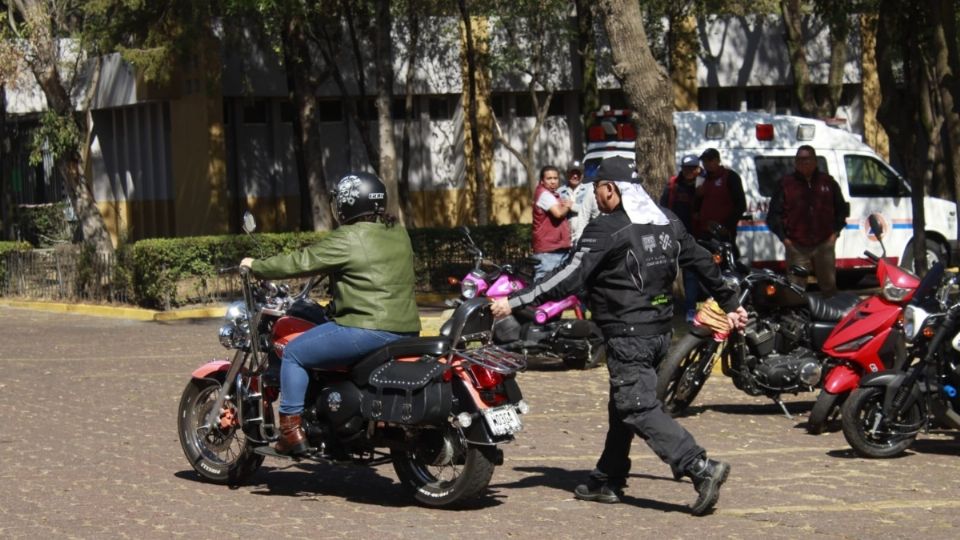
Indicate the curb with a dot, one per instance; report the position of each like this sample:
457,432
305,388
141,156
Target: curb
431,323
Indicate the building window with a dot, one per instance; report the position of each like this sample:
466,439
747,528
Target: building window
440,108
499,105
287,112
329,110
255,111
754,98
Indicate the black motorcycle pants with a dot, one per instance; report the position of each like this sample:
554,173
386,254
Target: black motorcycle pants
634,409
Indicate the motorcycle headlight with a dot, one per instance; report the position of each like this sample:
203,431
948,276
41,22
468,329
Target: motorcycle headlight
913,319
893,293
237,312
468,289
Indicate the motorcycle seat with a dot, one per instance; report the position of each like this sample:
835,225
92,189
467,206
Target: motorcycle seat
414,346
831,309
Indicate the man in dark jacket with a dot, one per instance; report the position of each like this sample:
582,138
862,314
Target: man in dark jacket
807,213
627,260
679,197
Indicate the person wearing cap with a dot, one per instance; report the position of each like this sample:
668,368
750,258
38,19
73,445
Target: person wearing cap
551,230
724,189
626,261
807,213
679,197
584,206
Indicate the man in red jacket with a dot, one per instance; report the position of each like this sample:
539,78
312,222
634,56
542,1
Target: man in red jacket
551,230
807,213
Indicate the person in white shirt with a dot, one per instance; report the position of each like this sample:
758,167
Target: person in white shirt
584,207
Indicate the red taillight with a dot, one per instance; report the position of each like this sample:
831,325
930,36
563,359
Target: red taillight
764,132
626,132
453,281
486,379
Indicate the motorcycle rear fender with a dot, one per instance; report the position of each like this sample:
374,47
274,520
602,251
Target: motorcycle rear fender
841,379
211,367
478,432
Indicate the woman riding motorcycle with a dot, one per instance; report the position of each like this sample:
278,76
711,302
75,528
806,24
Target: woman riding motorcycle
370,261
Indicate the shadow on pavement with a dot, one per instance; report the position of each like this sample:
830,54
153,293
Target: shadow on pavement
565,480
352,483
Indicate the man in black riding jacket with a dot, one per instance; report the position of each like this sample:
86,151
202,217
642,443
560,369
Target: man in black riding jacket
626,260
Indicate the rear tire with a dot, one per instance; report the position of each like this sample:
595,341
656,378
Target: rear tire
681,376
935,252
224,456
861,413
824,410
445,470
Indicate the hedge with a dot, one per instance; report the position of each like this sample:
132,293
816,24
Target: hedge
162,273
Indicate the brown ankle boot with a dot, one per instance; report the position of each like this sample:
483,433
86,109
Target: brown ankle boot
293,440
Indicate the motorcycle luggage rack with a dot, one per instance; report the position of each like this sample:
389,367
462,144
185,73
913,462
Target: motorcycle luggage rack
495,359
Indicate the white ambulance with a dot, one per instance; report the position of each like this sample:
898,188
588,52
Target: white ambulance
761,148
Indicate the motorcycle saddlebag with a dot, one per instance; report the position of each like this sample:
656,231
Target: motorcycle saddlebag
407,393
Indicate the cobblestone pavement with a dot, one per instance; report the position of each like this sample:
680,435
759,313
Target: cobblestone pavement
89,449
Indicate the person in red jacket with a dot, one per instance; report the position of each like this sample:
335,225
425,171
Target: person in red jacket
720,198
807,213
551,230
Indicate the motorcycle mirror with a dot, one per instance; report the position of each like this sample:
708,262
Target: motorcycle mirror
249,223
876,229
719,231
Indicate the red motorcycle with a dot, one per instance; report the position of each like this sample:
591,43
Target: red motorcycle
440,411
868,339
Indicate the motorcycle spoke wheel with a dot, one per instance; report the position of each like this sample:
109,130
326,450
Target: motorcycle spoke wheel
683,373
869,433
443,469
219,452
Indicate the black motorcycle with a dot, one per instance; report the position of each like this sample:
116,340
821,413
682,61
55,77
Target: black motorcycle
777,351
885,414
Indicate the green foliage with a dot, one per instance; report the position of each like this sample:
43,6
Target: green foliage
158,265
57,134
5,248
44,225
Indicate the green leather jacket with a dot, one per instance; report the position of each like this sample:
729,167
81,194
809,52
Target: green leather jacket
371,268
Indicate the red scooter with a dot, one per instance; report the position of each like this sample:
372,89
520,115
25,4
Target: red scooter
868,339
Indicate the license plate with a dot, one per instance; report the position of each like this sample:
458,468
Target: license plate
503,420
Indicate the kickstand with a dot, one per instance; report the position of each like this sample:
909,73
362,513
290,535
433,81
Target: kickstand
783,406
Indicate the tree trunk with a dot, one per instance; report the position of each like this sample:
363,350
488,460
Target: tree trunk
481,195
948,62
383,53
315,213
793,21
6,201
44,65
647,88
587,59
403,183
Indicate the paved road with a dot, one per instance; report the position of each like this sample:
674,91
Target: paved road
89,450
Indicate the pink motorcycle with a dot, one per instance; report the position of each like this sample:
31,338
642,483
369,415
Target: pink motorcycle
538,332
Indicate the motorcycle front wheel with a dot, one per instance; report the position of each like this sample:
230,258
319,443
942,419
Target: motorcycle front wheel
868,432
219,453
684,371
443,470
825,409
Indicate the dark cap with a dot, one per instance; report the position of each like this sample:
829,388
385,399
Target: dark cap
575,166
616,169
690,160
710,153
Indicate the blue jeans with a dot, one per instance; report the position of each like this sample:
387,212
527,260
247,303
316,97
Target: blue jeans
691,290
328,346
548,262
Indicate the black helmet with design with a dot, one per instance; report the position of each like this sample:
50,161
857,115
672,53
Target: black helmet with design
358,194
